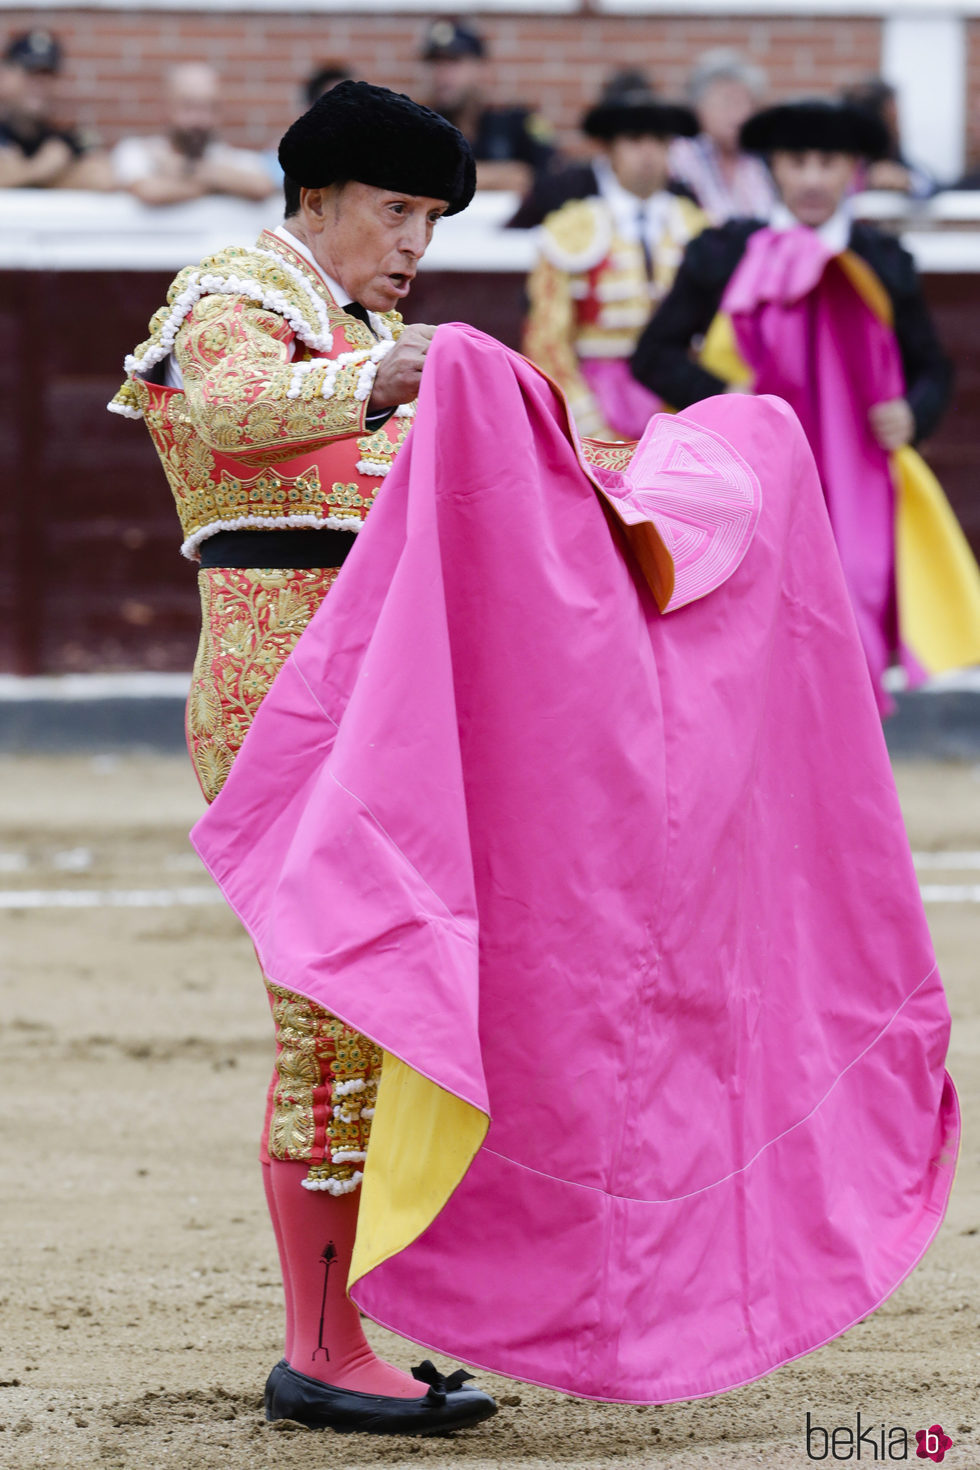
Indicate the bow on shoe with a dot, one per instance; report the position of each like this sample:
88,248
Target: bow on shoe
439,1385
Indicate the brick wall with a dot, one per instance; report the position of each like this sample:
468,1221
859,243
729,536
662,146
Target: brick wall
973,93
115,59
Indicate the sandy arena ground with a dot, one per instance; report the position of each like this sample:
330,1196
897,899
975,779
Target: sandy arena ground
139,1298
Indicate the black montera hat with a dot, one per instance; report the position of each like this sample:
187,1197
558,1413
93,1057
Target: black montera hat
638,112
447,39
34,51
365,133
820,124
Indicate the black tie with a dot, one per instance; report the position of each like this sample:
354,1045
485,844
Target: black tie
641,225
354,308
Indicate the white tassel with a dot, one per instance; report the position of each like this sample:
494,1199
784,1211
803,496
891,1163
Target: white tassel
334,1186
344,1089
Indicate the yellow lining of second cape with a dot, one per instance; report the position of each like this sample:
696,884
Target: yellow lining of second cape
937,578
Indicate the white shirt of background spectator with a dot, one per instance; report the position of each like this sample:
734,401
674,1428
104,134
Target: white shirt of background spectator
139,158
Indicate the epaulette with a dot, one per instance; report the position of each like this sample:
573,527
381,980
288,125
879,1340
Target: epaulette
692,216
259,275
577,236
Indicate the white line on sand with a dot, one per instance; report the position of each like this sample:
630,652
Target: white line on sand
947,862
166,898
106,898
950,892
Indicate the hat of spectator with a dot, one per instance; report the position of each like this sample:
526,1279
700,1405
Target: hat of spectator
638,113
817,124
625,80
445,40
357,131
34,51
325,77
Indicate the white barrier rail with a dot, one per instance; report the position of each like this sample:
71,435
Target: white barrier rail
62,229
74,230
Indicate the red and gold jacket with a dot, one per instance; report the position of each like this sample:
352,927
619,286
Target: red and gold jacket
269,428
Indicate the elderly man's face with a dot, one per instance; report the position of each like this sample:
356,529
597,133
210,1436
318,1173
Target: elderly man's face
813,184
722,109
369,240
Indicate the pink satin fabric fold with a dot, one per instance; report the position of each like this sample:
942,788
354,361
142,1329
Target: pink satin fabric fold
636,885
810,338
625,404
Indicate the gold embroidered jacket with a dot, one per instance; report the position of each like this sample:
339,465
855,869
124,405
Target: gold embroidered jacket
269,428
589,295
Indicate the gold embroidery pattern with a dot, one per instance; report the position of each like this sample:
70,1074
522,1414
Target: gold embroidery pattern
243,397
348,500
268,494
250,622
608,456
326,1077
379,446
326,1074
240,397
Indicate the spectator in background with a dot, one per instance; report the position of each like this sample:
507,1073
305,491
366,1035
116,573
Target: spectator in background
580,180
606,260
893,171
724,91
35,151
324,79
511,144
828,313
190,160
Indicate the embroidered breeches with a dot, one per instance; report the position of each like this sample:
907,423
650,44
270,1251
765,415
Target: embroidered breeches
322,1094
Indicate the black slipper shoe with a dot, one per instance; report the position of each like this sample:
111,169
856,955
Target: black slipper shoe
447,1405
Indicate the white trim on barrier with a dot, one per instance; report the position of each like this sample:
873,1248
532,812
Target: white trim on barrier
804,9
809,9
298,7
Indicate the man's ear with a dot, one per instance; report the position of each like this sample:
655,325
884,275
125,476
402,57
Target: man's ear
313,207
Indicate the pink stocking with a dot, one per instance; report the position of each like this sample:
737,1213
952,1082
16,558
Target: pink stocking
324,1339
287,1285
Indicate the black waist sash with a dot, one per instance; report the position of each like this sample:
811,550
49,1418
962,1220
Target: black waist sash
290,547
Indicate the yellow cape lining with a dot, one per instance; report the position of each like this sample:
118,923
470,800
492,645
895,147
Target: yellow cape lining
938,582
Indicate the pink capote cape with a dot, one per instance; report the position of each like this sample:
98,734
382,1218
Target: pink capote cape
635,885
810,337
624,402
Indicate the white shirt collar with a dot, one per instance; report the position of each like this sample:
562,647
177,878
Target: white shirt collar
340,296
626,207
834,232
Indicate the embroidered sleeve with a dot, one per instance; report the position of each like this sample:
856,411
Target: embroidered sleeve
549,341
244,395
